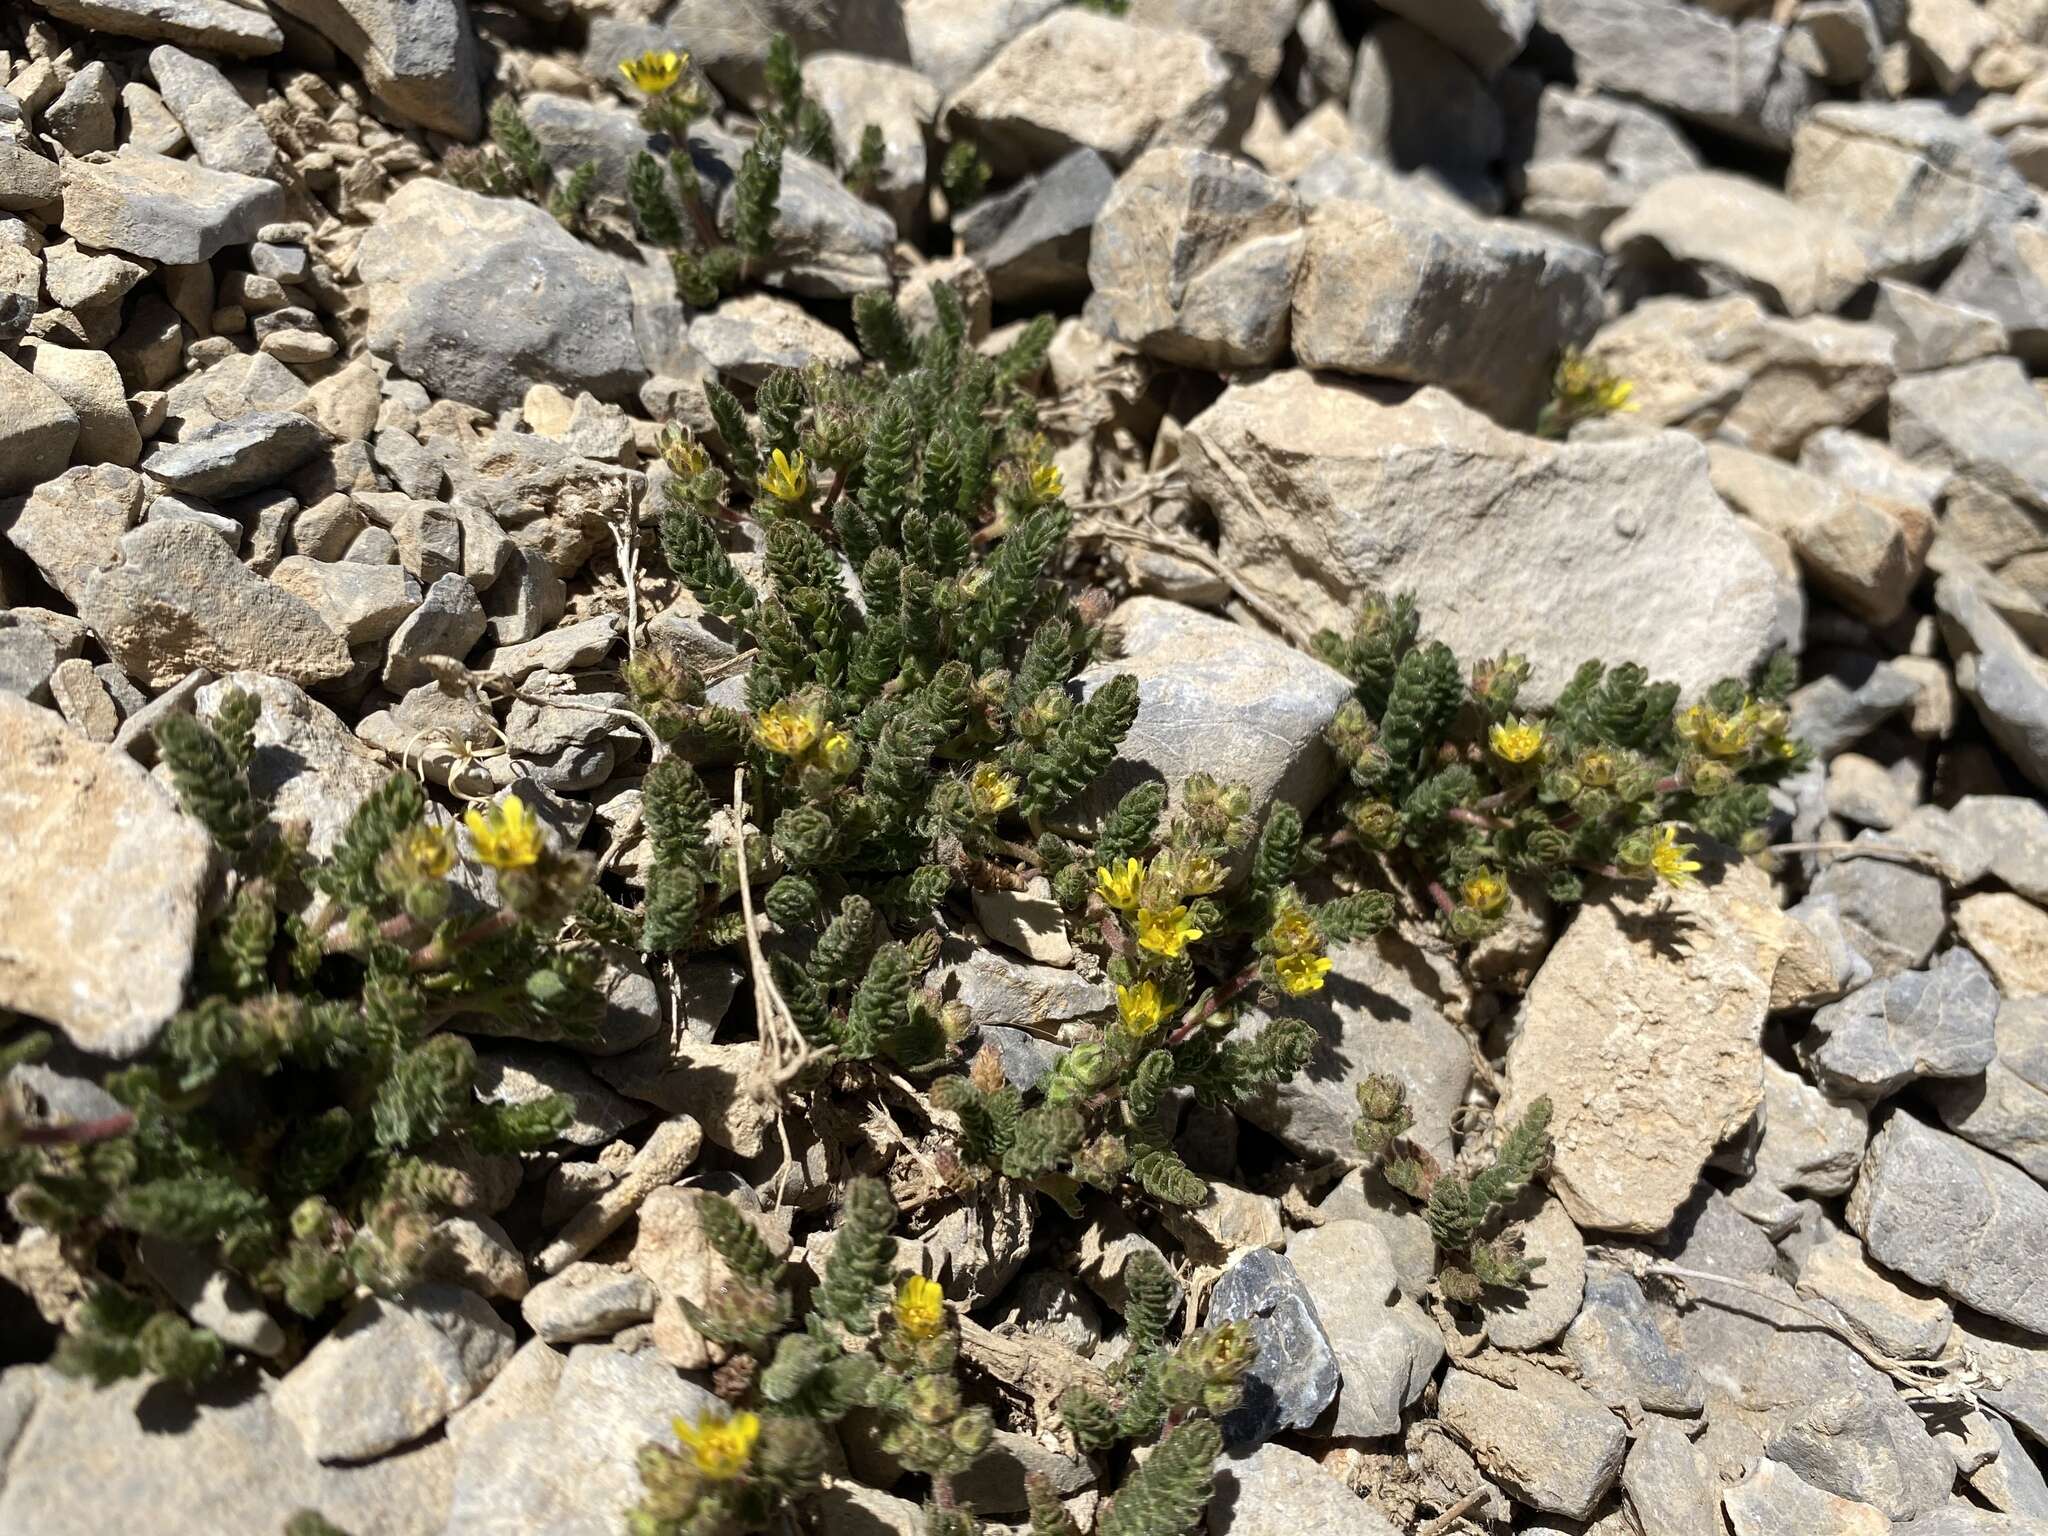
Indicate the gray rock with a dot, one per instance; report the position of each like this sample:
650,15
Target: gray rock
1740,236
1415,104
1840,708
1297,1372
225,131
1905,1324
856,93
1542,1311
22,275
1487,33
1670,1487
2010,835
2007,1112
1309,476
1363,1195
1215,698
212,1297
1193,260
1272,1491
103,878
571,648
1944,1213
392,1370
1999,674
38,429
1812,1141
1078,80
2005,273
1386,1346
828,243
89,382
1377,1012
233,1463
1891,911
2012,1481
448,622
1935,333
1931,1023
948,43
1686,60
1865,464
1379,288
307,764
475,1253
419,57
1007,993
364,603
554,1445
521,1074
1623,1354
1591,157
164,210
177,599
1033,239
252,451
588,1301
1548,1442
994,1484
221,26
1772,1500
27,179
748,337
437,264
82,116
1916,181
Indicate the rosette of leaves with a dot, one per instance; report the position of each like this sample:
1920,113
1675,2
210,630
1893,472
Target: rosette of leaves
1186,949
1459,1208
737,1470
294,1123
1473,792
906,715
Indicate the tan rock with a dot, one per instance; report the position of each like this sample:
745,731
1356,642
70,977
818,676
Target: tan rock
1643,1030
1745,236
2010,935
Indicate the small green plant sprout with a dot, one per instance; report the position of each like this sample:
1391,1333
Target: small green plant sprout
964,175
865,173
1457,1208
1474,794
1582,389
1184,950
513,164
863,1344
800,120
294,1122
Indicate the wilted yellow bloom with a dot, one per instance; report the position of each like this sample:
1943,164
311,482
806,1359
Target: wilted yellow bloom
1046,483
786,479
1668,857
1728,735
1302,974
1196,874
920,1307
1142,1008
681,452
992,790
1516,741
507,836
1121,889
1485,892
1596,767
430,851
1294,932
721,1446
654,71
1165,931
788,729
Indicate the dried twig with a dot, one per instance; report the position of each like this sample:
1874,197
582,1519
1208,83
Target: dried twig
1196,553
1897,852
1455,1513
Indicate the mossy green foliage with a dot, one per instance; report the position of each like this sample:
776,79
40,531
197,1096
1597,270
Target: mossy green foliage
1459,1208
1476,797
513,164
291,1124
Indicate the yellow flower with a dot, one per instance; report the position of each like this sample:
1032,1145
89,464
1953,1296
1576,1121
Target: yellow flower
1485,892
721,1446
1294,933
1165,931
1142,1008
992,790
786,479
1046,484
430,851
1120,890
1302,974
1727,735
1516,741
654,71
920,1307
682,452
1196,874
1616,395
836,753
507,836
788,729
1668,857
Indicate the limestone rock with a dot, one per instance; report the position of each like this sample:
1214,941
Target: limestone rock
2005,273
1193,260
587,1301
855,93
828,243
225,131
1546,1306
1082,80
220,26
1311,477
251,451
1908,1325
38,429
1272,1491
1622,1352
307,764
1415,104
1812,1142
1670,1487
440,267
1642,1029
748,337
1297,1372
1033,239
1547,1441
1387,1348
164,210
1592,157
2007,1112
1999,674
1744,237
1956,1218
1891,912
1488,33
104,880
1773,1501
2010,933
177,599
88,382
419,56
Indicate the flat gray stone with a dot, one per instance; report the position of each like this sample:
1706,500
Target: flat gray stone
521,1074
1812,1141
225,131
1297,1372
229,458
164,210
1033,240
71,525
1907,1324
220,26
1931,1023
38,429
2007,1111
588,1301
419,57
307,764
1386,1346
449,621
1548,1442
1622,1353
1891,911
1670,1487
1999,673
1270,1490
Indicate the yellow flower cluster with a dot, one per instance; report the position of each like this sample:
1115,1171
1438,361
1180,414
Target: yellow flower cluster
720,1445
1298,958
787,480
430,851
655,71
1516,741
507,835
1166,931
1142,1008
793,726
1757,724
991,790
920,1308
1589,389
1485,891
1046,484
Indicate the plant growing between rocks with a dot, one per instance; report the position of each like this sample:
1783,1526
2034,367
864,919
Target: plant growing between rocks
514,165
